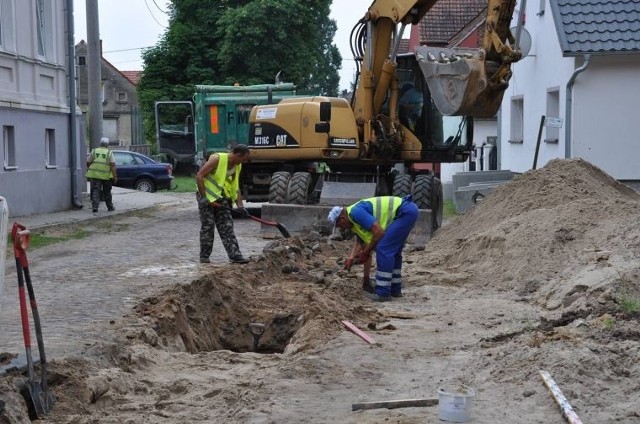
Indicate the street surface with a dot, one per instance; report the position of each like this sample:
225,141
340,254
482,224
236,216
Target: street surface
81,284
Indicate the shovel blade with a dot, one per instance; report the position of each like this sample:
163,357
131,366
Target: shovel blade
39,402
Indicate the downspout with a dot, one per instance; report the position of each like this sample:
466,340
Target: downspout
73,136
569,106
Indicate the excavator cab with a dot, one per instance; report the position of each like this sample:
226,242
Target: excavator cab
443,138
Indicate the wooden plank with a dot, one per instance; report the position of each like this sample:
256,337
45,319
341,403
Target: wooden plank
398,315
567,410
358,332
393,404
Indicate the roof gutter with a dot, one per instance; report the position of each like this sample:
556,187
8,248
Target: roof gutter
73,135
569,106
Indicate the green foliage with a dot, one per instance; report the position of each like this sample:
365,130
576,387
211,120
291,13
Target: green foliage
248,42
184,184
630,305
40,240
449,209
608,322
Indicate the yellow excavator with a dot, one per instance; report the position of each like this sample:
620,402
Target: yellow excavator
407,109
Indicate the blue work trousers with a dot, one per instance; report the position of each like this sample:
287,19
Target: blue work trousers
389,250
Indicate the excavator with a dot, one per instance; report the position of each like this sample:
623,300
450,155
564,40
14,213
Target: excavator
407,109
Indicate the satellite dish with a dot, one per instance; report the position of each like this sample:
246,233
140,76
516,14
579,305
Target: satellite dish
525,40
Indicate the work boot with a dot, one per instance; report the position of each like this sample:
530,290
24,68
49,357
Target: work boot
377,298
205,260
95,210
396,290
111,208
238,259
367,286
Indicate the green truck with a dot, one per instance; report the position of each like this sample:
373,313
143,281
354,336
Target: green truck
187,132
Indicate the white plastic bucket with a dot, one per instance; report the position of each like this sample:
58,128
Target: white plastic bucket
454,404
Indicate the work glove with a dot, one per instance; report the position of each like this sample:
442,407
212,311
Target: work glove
243,212
348,264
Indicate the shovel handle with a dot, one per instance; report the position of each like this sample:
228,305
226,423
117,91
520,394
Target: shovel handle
20,237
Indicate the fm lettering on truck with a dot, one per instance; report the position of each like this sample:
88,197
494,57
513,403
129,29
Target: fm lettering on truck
266,113
342,142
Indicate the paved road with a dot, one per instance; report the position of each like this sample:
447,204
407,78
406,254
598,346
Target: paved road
83,284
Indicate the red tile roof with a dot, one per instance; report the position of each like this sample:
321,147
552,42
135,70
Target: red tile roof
133,76
447,18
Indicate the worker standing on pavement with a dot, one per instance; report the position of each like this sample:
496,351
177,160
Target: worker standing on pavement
383,224
218,184
101,173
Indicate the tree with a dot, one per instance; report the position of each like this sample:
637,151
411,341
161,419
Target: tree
241,41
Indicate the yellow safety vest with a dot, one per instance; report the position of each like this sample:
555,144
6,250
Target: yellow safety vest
384,211
100,168
218,185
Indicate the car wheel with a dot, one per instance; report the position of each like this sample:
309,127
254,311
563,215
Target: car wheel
145,184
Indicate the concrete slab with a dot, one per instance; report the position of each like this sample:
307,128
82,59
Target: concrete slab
462,179
466,197
343,193
303,218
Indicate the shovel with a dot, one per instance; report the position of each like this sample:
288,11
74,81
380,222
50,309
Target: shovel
283,230
38,392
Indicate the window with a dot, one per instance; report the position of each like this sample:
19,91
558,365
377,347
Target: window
44,29
122,97
50,147
553,111
7,36
82,60
123,158
517,121
9,142
541,8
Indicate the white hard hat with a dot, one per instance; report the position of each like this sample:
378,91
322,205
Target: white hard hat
104,141
333,216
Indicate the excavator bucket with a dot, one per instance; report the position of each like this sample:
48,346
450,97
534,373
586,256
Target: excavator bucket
459,82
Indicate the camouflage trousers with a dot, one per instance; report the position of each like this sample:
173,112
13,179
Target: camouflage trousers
220,218
101,190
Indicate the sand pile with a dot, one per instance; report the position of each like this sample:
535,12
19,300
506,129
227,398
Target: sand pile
557,234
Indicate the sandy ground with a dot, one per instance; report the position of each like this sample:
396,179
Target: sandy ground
542,275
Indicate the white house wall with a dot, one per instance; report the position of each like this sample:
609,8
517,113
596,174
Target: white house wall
542,70
606,130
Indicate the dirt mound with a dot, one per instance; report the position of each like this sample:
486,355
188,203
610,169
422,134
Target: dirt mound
295,296
562,234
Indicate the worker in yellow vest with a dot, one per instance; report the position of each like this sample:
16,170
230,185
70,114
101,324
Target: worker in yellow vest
218,184
101,173
383,225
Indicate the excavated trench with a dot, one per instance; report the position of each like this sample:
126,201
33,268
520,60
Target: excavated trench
210,315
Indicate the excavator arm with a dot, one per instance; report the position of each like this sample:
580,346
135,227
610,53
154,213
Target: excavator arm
461,81
472,81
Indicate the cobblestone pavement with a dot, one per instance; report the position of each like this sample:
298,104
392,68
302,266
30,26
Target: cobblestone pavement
83,284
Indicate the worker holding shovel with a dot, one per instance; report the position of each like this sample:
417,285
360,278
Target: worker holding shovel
218,184
383,224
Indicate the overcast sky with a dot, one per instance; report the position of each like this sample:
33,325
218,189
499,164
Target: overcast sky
128,25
